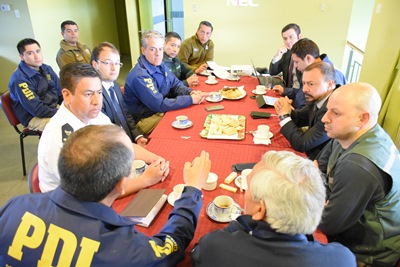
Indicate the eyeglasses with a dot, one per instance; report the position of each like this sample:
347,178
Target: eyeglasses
109,63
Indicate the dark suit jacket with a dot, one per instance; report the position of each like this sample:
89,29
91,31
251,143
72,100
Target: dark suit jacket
315,138
108,109
283,66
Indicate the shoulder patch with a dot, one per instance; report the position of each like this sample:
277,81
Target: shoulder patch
66,130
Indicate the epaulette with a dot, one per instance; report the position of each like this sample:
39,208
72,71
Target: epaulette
66,130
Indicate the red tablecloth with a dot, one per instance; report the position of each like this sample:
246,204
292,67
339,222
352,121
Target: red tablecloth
167,142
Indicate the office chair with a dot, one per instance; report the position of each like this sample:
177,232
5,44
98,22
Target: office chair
33,179
6,105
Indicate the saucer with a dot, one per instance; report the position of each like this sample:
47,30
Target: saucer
209,82
270,135
233,79
171,198
209,99
236,212
254,92
176,125
238,180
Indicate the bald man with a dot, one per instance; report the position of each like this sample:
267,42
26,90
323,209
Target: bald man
362,166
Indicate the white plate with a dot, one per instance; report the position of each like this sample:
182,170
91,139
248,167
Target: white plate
254,92
211,83
238,180
214,100
233,79
236,211
270,135
171,198
241,88
205,73
176,125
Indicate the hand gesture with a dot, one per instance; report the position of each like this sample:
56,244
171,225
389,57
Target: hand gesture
196,173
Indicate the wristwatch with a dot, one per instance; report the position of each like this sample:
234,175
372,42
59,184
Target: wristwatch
284,116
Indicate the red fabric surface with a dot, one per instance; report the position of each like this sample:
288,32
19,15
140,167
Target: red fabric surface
167,142
197,114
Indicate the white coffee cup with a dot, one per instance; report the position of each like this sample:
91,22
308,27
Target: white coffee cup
223,206
211,78
211,182
182,119
139,166
260,89
263,130
215,96
177,190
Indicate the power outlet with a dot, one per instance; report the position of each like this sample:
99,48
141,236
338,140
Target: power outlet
5,8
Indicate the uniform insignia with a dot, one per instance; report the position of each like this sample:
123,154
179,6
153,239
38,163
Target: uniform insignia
48,77
87,51
195,50
206,47
66,130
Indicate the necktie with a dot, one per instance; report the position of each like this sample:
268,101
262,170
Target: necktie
118,110
290,78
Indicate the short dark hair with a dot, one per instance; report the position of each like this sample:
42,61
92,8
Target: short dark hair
205,23
170,35
67,22
304,47
24,42
72,73
327,70
97,50
293,26
92,161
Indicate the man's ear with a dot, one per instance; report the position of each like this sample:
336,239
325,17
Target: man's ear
262,211
121,185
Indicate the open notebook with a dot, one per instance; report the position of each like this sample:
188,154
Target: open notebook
144,207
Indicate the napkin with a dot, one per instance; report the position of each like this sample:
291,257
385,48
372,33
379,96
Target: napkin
258,141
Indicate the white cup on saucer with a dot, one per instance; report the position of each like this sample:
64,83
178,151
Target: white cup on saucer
211,79
139,166
223,206
215,96
182,120
263,131
260,89
177,190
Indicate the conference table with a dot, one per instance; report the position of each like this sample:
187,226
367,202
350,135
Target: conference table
182,145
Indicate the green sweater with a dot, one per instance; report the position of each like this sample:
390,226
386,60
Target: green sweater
194,54
375,238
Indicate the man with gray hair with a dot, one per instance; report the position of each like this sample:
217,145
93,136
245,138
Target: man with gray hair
283,203
152,89
74,225
362,167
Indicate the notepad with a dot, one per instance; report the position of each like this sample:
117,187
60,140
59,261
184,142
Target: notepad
144,207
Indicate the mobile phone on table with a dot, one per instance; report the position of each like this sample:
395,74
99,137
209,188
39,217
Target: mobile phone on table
260,115
213,108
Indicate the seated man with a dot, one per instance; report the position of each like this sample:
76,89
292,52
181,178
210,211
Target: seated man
174,64
304,53
82,92
318,84
74,225
282,63
362,168
106,59
198,49
71,50
282,205
34,87
151,89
